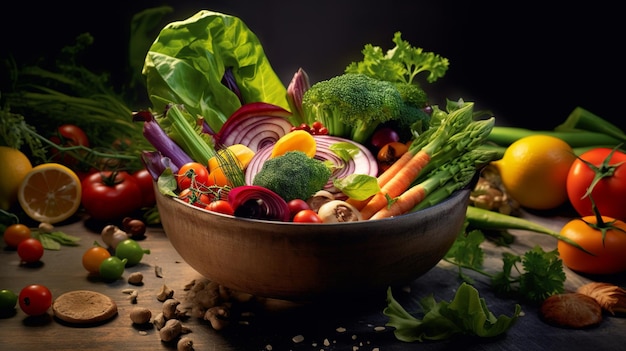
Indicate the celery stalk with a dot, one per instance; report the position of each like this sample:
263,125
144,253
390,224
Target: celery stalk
505,136
191,141
581,119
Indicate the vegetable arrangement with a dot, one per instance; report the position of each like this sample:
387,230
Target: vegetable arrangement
319,145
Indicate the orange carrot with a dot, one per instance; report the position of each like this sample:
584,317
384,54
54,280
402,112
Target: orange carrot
403,203
399,183
384,177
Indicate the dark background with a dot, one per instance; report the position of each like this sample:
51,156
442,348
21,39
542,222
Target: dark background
530,65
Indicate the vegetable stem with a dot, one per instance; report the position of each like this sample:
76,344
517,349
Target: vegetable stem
505,136
486,219
585,120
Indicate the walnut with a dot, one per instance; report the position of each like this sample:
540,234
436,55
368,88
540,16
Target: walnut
611,297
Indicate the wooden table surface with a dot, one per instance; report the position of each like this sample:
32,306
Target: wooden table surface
345,324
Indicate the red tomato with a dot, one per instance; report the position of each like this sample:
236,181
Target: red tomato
30,250
144,180
35,299
192,173
609,193
220,206
608,252
297,205
68,135
110,195
195,197
307,216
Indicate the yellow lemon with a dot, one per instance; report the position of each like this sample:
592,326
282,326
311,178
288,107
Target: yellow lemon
15,167
50,193
297,140
534,171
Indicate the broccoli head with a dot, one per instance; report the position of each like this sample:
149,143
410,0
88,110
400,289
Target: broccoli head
293,175
352,105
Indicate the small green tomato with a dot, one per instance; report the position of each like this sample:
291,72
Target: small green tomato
8,300
112,268
130,250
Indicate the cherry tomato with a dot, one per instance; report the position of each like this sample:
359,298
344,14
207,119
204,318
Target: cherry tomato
608,253
192,174
145,182
195,197
93,257
110,195
68,135
220,206
30,250
35,299
112,268
8,300
384,136
297,205
307,216
131,251
14,234
609,193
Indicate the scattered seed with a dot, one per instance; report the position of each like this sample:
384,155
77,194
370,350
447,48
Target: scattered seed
341,330
298,339
135,278
158,271
379,329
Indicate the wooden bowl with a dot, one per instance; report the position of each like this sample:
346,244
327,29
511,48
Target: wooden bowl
306,262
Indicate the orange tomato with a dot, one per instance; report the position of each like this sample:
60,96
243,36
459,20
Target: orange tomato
608,254
93,257
15,234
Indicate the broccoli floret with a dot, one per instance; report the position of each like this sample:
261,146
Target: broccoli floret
413,119
293,175
352,105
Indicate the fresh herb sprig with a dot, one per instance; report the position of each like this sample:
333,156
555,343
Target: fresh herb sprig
531,276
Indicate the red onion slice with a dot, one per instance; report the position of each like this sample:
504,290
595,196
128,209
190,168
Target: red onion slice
255,125
257,202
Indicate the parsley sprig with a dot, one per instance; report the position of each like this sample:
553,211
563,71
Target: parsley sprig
531,276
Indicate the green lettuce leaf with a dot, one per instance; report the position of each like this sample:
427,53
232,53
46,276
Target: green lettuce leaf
186,64
466,314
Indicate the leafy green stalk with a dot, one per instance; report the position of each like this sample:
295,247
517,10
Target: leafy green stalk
188,135
581,119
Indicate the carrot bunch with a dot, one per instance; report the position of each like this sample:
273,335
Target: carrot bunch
440,161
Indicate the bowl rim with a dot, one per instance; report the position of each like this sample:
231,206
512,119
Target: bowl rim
464,192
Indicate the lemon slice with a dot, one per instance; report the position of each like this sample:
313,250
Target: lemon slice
50,193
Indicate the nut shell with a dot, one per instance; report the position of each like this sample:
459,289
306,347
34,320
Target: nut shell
571,310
